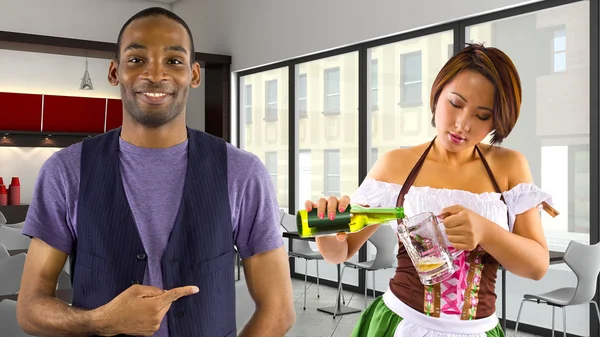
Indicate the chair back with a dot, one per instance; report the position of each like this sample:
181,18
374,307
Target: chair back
12,238
3,252
11,270
584,260
384,239
288,222
8,320
2,219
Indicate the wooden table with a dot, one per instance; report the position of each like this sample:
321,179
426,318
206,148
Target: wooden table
338,309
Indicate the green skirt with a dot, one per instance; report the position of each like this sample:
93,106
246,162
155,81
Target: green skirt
379,321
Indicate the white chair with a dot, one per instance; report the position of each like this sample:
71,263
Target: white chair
12,238
384,239
584,260
301,249
18,225
11,270
8,320
3,252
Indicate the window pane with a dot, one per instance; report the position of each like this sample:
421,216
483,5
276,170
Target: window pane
411,66
332,83
555,147
332,103
560,40
269,139
395,125
302,86
411,92
374,83
560,61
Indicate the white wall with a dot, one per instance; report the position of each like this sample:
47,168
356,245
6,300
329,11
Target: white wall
97,20
265,31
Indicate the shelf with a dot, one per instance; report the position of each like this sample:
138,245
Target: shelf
14,213
41,139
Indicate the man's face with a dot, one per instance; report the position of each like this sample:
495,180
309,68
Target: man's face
154,70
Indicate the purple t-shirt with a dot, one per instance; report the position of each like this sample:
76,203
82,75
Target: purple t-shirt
153,180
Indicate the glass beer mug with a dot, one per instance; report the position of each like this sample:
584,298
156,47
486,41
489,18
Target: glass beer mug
428,247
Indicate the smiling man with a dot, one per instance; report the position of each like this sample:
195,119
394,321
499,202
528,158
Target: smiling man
150,213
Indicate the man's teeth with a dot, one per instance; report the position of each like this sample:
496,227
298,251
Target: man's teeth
152,94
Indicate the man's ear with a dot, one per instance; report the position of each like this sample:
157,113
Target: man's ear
196,78
112,73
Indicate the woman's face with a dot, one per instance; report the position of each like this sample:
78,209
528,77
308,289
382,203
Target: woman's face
464,111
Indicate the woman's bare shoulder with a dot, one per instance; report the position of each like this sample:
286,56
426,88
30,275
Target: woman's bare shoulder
511,164
394,166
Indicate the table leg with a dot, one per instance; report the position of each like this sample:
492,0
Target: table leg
504,300
339,309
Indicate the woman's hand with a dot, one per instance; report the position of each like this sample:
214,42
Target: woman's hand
465,229
329,205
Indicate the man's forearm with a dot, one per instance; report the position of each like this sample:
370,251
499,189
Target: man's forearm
47,316
268,324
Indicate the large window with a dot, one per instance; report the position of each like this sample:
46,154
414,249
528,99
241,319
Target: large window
267,138
327,140
403,125
555,83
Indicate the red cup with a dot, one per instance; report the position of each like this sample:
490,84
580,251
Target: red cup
3,195
14,192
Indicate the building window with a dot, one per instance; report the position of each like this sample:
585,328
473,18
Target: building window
450,50
271,164
559,45
411,79
248,103
271,101
302,96
374,156
332,173
374,85
332,90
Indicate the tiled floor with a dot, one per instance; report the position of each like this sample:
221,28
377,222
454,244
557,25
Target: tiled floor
313,323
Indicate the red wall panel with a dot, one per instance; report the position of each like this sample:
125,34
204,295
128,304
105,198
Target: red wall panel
73,114
114,114
20,112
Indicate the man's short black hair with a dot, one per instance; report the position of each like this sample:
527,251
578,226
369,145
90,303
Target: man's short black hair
157,11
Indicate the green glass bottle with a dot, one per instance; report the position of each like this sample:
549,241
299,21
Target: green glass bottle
354,219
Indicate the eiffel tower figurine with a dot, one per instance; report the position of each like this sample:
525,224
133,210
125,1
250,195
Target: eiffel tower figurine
86,81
